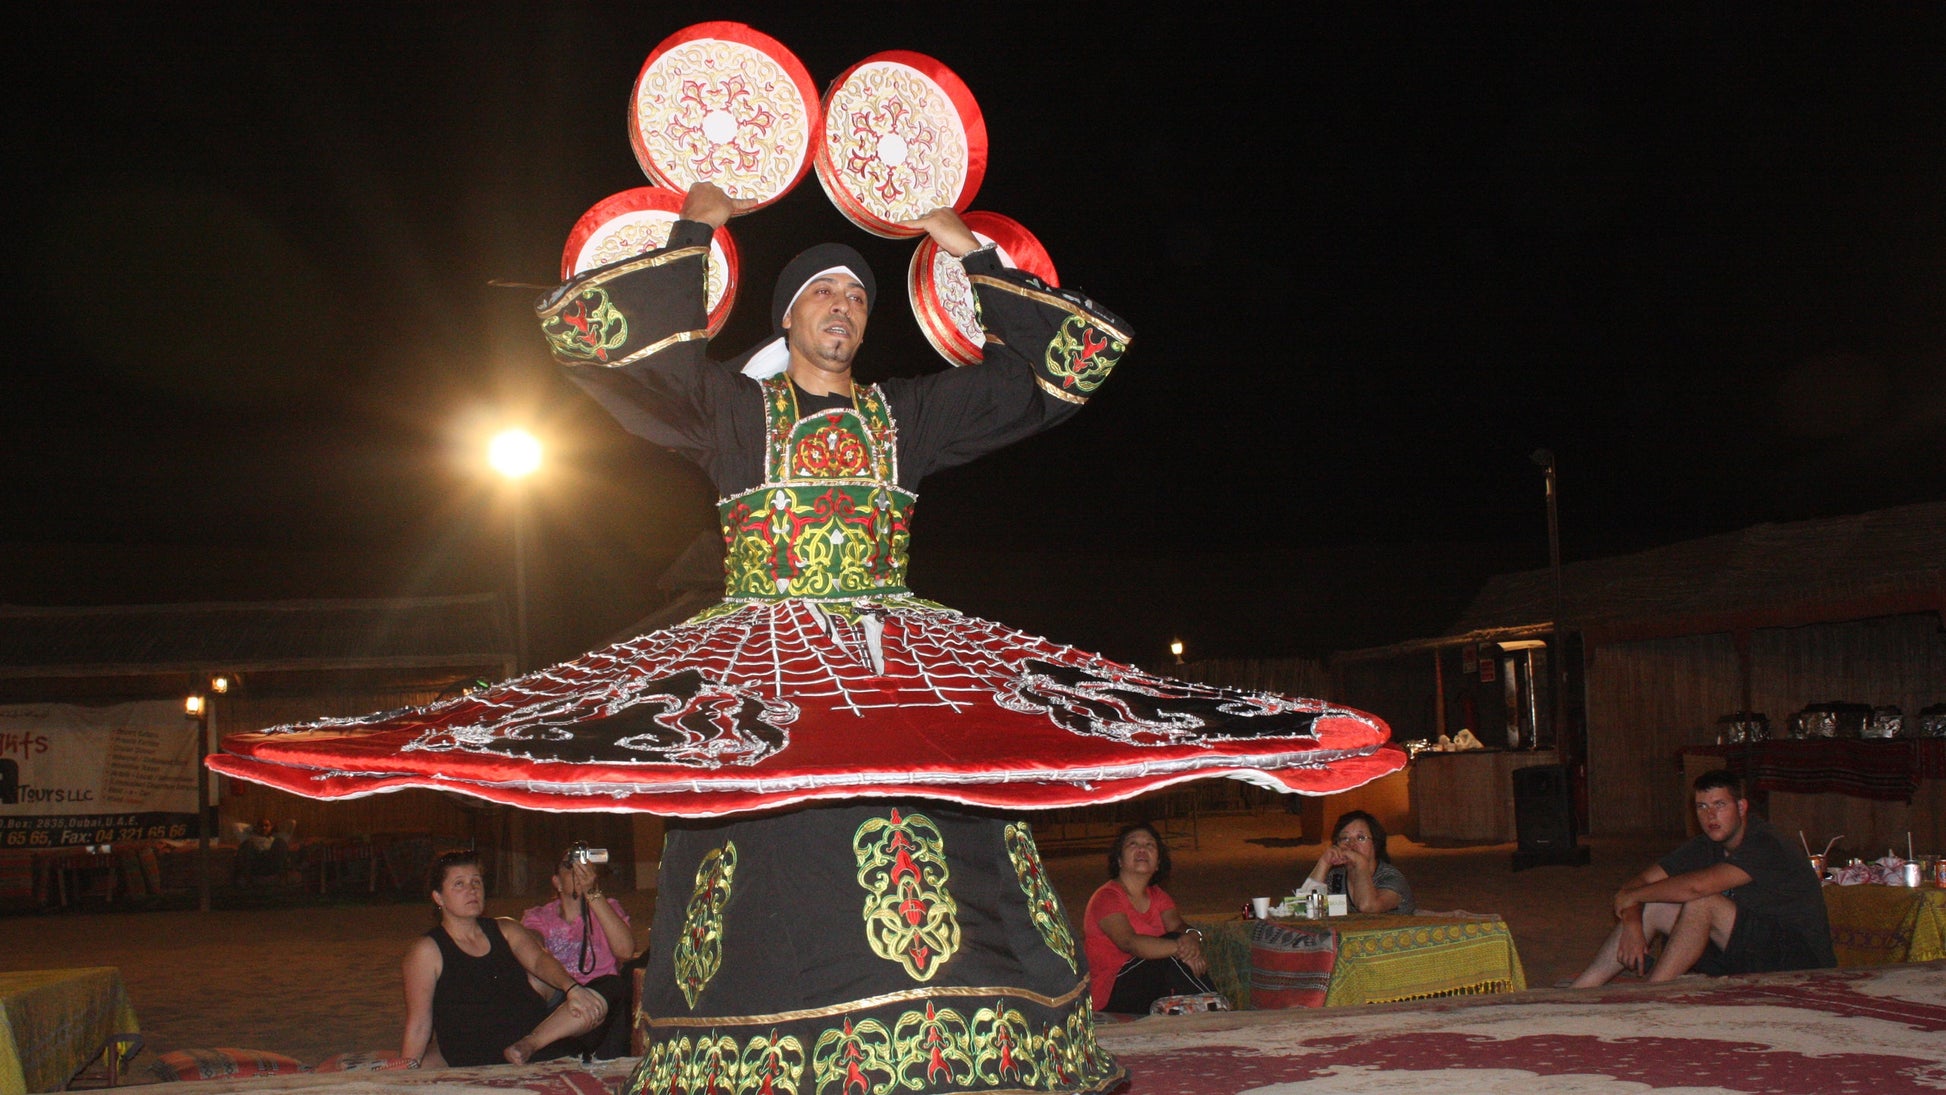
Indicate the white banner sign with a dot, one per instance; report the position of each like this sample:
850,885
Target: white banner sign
88,775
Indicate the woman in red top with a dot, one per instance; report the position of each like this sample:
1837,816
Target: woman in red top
1139,949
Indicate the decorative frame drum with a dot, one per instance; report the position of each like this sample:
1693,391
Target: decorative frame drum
635,222
942,298
723,103
901,137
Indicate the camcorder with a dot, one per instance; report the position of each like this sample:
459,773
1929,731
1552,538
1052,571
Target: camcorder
579,852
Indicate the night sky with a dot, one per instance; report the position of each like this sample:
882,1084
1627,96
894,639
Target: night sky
1374,256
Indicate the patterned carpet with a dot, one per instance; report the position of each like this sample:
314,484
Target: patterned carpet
1872,1032
1879,1031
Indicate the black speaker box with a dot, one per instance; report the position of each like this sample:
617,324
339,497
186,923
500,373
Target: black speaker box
1544,818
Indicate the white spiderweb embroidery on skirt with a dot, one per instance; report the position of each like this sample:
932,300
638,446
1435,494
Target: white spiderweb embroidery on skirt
724,690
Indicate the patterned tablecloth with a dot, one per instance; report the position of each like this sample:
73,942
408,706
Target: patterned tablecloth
1360,959
1882,925
53,1023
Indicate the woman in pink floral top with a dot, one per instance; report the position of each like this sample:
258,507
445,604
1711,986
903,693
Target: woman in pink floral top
588,932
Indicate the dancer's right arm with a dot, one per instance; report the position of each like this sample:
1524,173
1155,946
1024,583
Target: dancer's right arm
633,334
706,204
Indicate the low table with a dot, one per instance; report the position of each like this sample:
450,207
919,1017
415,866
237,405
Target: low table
1360,959
54,1023
1884,925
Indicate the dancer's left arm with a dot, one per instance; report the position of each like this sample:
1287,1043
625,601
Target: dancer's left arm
1047,350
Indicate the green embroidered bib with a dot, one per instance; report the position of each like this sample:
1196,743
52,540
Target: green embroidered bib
829,520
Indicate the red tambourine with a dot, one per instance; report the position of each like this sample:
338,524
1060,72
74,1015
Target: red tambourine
638,221
942,298
722,103
901,137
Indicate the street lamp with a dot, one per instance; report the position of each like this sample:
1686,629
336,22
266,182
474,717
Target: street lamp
516,454
1175,647
1544,459
195,707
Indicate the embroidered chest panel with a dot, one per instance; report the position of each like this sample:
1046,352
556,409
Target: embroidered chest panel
830,519
839,443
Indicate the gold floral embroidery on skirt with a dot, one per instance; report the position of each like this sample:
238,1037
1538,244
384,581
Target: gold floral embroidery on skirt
699,953
934,1048
715,1062
1043,904
910,917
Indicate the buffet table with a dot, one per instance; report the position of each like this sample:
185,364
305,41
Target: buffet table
1884,925
54,1023
1878,768
1360,959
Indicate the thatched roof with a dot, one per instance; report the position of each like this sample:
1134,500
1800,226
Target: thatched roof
1882,563
456,632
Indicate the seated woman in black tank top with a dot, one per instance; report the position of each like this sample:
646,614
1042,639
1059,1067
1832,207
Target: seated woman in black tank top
473,984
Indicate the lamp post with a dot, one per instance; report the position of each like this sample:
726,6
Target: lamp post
1175,648
516,454
195,707
1544,459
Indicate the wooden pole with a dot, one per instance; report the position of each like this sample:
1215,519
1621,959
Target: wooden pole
1438,695
202,805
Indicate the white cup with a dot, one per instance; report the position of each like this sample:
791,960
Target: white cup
1337,905
1260,907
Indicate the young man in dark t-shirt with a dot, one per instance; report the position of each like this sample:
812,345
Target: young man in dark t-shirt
1736,899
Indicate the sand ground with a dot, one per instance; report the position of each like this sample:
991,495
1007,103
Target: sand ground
310,982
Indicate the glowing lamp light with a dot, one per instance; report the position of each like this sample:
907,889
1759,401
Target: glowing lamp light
219,685
193,706
1175,648
515,454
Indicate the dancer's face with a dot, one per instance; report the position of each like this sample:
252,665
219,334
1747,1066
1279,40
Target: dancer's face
826,324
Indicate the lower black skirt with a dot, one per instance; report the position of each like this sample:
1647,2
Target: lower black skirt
910,947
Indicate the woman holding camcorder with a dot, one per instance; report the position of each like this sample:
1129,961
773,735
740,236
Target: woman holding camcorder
589,933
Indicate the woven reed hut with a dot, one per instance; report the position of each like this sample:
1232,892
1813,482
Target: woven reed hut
1769,619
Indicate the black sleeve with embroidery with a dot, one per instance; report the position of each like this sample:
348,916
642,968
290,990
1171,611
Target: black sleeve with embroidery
1047,350
632,335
